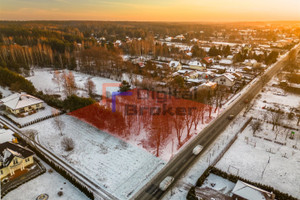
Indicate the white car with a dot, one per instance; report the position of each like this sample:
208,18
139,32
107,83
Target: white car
197,149
166,183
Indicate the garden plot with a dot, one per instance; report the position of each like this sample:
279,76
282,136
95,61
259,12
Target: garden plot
265,162
49,183
113,164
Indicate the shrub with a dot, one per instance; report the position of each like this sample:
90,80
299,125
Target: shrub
60,193
191,194
74,102
67,144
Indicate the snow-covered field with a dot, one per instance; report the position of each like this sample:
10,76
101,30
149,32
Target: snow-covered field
113,164
49,183
43,81
5,92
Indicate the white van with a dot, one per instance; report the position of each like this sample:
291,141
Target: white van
197,149
166,183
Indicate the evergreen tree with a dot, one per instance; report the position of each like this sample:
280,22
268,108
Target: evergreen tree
124,87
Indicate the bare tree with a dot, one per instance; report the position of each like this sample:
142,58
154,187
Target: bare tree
69,84
276,118
298,115
178,121
90,87
265,117
188,119
31,133
58,123
256,126
67,143
57,79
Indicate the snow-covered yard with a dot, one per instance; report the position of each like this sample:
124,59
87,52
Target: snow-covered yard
49,183
264,162
43,80
6,135
5,92
113,164
218,183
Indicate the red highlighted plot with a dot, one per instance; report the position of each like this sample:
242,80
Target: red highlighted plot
155,121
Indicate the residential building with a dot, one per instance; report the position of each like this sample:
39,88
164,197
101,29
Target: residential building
196,65
175,65
225,79
13,157
21,103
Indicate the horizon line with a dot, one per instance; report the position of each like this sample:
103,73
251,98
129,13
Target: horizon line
163,21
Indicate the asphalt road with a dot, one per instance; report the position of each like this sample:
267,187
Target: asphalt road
183,160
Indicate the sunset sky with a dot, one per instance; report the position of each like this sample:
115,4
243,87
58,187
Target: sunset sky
151,10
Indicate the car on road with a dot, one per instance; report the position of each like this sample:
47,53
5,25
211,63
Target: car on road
230,117
166,183
197,149
246,101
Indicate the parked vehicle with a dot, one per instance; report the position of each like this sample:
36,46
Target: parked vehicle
230,117
166,183
197,149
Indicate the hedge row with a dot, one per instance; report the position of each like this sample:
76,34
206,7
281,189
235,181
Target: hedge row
31,122
278,195
40,119
60,171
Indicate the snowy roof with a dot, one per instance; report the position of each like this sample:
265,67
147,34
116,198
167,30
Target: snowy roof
209,84
17,100
194,80
229,76
251,61
183,71
230,57
197,63
250,192
226,62
174,64
218,67
9,150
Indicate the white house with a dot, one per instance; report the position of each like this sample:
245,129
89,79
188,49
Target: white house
175,65
21,102
225,79
197,65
